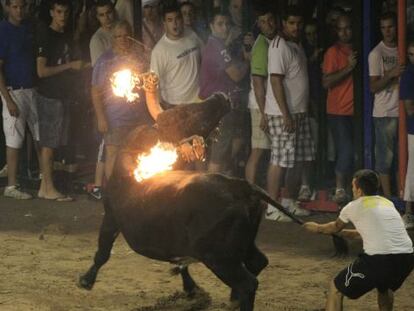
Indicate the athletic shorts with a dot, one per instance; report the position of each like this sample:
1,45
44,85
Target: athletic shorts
14,128
367,272
290,148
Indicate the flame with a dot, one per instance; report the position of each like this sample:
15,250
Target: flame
160,158
124,83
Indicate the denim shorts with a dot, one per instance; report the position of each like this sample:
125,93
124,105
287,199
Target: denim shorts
342,128
386,137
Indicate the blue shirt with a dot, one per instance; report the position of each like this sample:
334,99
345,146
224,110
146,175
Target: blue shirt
118,111
407,92
16,51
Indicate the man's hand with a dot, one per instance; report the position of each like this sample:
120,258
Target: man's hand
352,60
150,82
78,65
264,124
288,124
102,125
311,226
396,71
199,148
13,109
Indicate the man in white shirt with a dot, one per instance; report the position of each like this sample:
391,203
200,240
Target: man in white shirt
287,97
101,39
388,256
384,72
176,60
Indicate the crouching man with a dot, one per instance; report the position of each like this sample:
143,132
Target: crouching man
388,257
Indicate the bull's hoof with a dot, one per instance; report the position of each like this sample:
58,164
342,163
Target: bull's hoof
86,281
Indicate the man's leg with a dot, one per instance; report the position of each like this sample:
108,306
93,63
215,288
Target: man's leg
12,160
385,300
110,157
334,301
47,187
252,164
275,176
385,180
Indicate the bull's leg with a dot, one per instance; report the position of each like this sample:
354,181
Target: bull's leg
107,235
239,279
188,283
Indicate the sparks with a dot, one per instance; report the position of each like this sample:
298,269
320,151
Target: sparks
124,83
160,158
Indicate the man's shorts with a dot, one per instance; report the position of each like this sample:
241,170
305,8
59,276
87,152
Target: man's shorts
386,140
53,121
367,272
115,136
259,140
290,148
14,128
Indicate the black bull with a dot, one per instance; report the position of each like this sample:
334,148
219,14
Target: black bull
179,215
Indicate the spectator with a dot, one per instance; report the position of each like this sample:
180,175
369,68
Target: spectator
125,11
176,60
384,72
221,73
258,69
338,65
17,89
387,259
407,95
56,68
287,97
152,29
101,39
189,13
116,117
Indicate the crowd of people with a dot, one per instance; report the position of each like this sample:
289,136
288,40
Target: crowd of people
275,74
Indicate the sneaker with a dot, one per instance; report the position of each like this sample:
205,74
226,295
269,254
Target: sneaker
273,213
304,193
340,196
15,193
96,193
408,220
297,211
3,171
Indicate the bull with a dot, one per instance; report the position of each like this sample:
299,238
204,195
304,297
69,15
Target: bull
182,216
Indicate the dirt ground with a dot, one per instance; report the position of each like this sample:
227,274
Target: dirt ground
46,245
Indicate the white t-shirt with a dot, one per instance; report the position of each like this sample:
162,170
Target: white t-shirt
125,11
382,59
101,41
379,224
288,58
177,64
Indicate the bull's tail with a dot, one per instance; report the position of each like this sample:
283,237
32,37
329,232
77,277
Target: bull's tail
262,194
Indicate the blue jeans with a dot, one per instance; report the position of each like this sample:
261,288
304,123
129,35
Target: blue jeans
342,128
385,143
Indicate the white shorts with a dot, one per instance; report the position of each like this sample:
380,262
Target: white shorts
259,139
14,128
409,178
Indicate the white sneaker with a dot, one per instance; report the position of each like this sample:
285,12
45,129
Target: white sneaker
15,193
3,171
297,211
408,220
340,196
273,213
304,193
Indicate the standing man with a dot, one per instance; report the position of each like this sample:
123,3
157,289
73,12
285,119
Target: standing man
176,60
287,97
258,69
388,256
338,65
384,72
16,88
56,68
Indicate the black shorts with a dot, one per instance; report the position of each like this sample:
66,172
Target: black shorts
367,272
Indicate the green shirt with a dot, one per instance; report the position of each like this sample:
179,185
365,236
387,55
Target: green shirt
258,64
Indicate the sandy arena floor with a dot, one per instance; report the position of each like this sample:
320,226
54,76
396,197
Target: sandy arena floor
46,245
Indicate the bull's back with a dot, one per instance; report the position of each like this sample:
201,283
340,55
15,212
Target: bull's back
179,214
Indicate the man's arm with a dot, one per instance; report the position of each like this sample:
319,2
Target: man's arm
11,105
259,90
237,72
276,82
44,71
331,79
409,107
378,83
328,228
